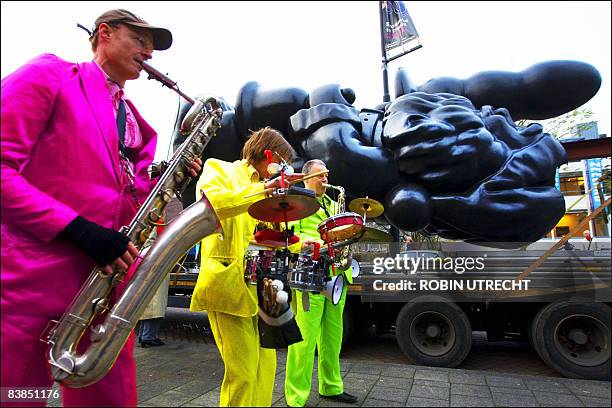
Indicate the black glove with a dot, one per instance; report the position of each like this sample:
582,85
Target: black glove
278,332
102,244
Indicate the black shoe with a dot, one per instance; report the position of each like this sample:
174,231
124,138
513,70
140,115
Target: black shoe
151,343
344,397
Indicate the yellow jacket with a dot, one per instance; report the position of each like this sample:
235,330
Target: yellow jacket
221,286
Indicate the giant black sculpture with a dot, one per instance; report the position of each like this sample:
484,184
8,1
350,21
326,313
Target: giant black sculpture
445,157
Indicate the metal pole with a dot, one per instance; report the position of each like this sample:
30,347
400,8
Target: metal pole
386,97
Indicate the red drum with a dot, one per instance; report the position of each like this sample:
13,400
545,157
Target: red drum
341,227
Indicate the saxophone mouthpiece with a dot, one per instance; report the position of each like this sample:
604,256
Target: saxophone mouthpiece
330,186
165,81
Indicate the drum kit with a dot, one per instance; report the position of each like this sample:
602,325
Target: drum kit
370,208
307,271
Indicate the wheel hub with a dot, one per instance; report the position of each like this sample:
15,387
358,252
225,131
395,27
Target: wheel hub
583,340
433,330
432,333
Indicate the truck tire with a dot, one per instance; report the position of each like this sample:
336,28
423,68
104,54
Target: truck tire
573,337
434,331
531,336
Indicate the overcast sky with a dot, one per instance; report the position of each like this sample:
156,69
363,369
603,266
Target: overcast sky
220,46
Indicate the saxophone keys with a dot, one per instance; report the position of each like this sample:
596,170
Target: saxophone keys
154,216
179,176
144,234
97,333
118,278
100,304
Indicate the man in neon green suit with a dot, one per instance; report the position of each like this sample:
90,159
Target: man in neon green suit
321,326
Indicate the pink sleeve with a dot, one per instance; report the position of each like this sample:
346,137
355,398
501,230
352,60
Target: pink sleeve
28,97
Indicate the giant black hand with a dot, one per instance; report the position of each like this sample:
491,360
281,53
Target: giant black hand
441,142
470,174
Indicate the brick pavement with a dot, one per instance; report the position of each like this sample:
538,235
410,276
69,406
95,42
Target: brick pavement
189,374
515,357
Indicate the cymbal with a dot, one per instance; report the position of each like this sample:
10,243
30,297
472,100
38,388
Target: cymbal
284,207
373,234
367,206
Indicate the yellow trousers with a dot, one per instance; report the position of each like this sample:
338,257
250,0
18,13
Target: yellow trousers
249,369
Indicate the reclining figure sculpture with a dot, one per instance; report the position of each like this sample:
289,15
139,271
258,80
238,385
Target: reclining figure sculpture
444,158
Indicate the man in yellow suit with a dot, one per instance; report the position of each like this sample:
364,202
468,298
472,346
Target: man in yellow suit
321,325
221,289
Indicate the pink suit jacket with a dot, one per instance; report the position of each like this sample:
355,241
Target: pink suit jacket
60,159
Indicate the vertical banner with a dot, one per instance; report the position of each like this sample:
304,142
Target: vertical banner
400,34
594,172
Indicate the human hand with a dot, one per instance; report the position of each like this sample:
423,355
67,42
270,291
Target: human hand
108,247
195,166
277,182
124,261
440,141
308,245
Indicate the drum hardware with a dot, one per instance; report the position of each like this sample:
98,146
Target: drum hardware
306,272
374,234
341,244
290,183
276,238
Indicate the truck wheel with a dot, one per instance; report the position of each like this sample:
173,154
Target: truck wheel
531,335
574,338
434,331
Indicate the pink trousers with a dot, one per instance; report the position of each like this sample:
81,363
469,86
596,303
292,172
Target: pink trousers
24,365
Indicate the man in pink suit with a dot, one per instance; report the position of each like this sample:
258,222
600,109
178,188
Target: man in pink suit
75,155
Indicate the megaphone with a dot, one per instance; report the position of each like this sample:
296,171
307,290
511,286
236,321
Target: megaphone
333,289
356,268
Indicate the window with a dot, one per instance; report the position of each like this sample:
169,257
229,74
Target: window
561,231
572,185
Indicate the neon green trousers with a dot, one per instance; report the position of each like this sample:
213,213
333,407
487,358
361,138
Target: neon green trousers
249,369
321,326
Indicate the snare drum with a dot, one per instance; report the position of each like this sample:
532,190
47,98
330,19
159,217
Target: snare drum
308,274
340,227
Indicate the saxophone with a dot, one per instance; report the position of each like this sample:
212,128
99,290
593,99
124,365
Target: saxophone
157,256
344,256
